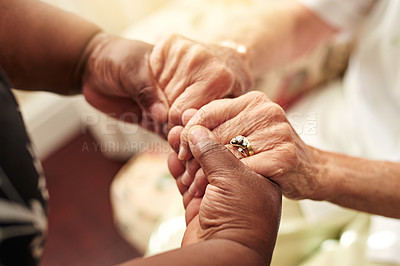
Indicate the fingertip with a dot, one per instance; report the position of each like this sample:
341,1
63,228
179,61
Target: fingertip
187,115
193,190
181,187
159,112
182,153
197,133
176,167
174,137
186,179
174,117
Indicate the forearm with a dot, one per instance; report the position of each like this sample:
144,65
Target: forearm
365,185
41,46
270,37
210,252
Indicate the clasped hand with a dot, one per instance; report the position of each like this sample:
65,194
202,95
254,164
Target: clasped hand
155,85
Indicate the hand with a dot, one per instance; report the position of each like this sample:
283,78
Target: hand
192,74
118,81
238,204
280,154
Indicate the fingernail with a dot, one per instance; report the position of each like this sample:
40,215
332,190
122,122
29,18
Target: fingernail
159,112
192,190
182,153
197,133
186,179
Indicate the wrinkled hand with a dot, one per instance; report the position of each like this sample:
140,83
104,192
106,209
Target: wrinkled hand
118,81
238,204
192,74
280,154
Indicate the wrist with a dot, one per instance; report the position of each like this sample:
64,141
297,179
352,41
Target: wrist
82,65
238,48
236,56
323,185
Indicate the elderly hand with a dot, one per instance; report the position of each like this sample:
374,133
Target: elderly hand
280,154
238,204
192,74
118,81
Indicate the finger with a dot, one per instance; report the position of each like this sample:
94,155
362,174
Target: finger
192,209
153,101
175,166
174,138
187,198
199,94
192,166
276,162
199,184
118,107
216,161
187,115
166,57
209,116
181,187
218,112
188,176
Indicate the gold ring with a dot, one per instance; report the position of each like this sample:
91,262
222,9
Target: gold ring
243,144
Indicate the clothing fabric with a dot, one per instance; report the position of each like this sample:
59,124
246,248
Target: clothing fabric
344,15
359,115
23,194
371,86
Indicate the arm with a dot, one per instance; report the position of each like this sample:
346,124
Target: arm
365,185
211,252
45,48
272,36
237,219
41,46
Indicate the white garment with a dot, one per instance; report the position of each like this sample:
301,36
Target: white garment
360,115
371,87
344,15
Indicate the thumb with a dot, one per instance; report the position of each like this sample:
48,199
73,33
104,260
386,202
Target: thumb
150,97
152,100
216,161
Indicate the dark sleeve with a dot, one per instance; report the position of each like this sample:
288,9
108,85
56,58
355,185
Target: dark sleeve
23,194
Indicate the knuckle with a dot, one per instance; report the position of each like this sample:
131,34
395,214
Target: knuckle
175,112
197,55
275,110
286,129
226,75
146,95
201,114
171,37
258,96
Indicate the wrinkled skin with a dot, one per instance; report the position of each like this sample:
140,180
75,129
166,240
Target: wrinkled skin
238,204
118,82
280,154
132,81
192,74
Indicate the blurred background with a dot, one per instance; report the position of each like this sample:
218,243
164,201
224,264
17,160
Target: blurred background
111,196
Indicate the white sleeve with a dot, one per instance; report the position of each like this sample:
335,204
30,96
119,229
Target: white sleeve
342,14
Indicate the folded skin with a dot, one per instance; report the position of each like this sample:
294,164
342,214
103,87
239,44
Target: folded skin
117,80
192,74
265,125
238,204
302,171
236,221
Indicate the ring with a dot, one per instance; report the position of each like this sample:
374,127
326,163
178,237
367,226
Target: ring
243,144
